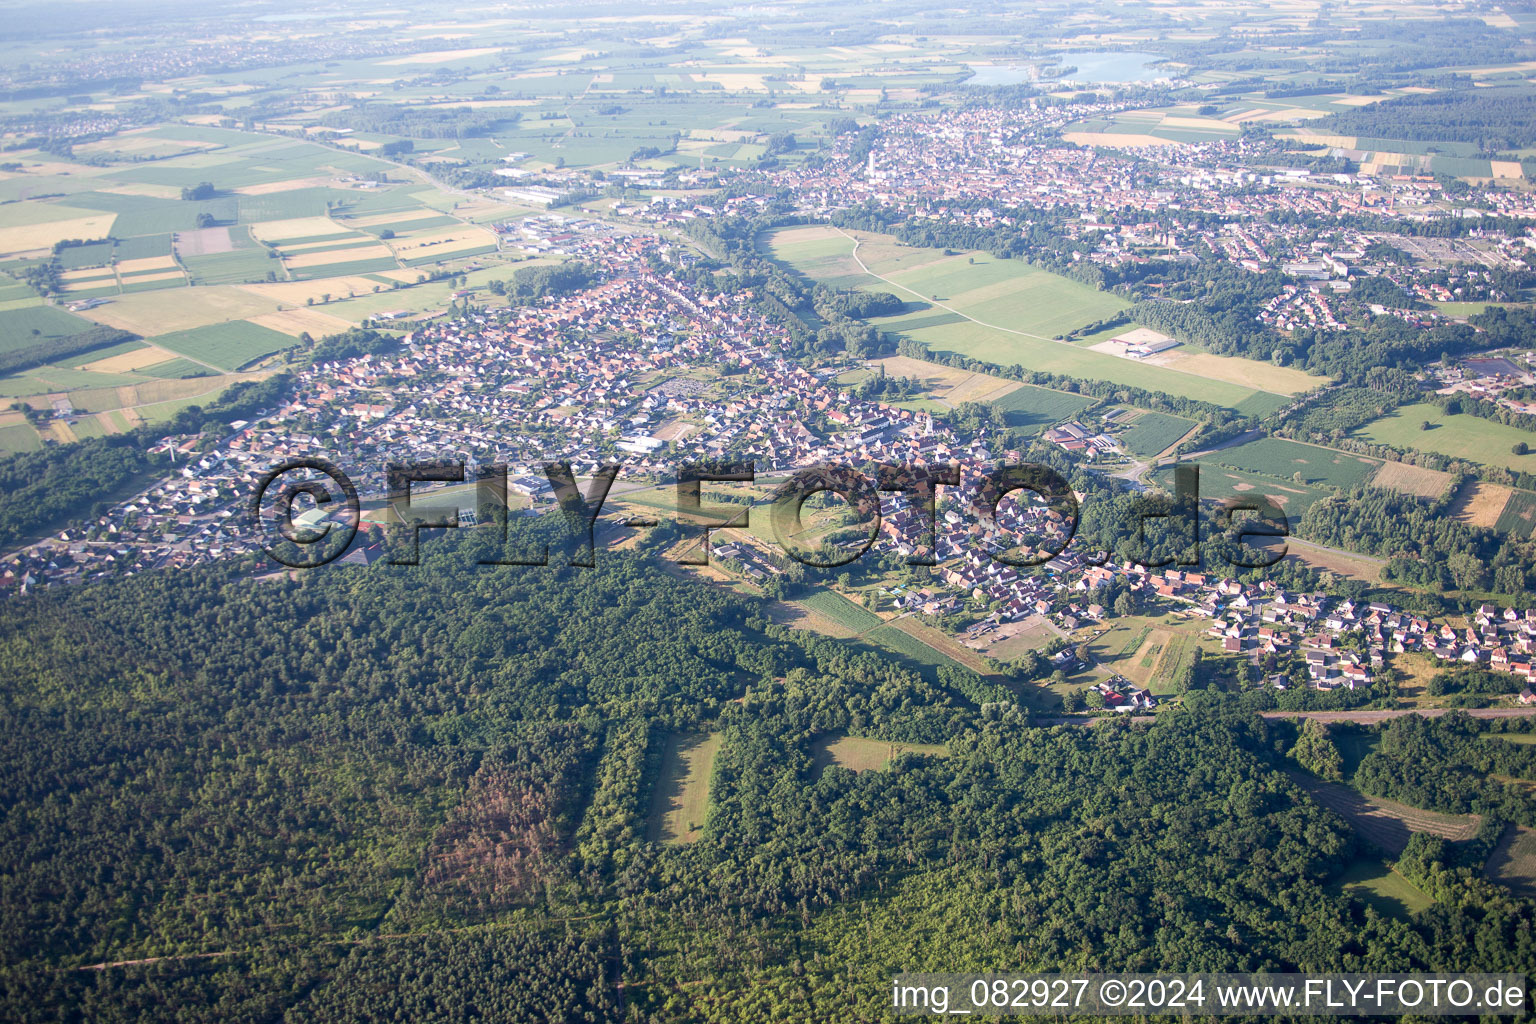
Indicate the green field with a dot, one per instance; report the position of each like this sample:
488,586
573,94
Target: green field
1519,516
840,610
227,346
1218,483
1152,432
1001,311
1300,464
19,437
1461,436
1033,409
906,644
1513,862
20,328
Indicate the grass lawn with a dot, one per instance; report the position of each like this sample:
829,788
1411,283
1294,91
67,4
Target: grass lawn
680,801
1461,436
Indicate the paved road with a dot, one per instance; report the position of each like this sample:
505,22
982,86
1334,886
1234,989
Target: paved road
1367,717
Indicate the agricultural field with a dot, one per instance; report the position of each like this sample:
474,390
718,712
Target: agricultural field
19,437
680,798
941,642
227,346
1518,516
283,213
894,638
1480,503
1002,311
1409,479
859,754
1031,410
946,384
1461,436
20,328
1151,433
1218,483
834,606
1301,464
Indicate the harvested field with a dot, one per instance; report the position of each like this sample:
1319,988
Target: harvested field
297,293
297,227
1406,479
204,242
321,259
1481,504
295,322
30,237
127,362
148,313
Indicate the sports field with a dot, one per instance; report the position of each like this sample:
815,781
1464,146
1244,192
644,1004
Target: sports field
1001,311
1460,436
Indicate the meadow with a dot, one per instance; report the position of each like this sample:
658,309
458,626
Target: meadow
1218,483
20,328
1513,862
1032,410
680,798
860,754
1461,436
1377,884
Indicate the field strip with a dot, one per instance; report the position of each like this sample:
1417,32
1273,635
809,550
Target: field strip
994,327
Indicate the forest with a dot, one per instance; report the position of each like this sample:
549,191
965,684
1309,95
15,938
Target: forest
384,793
1495,119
